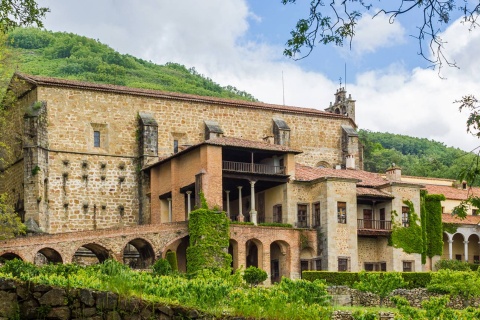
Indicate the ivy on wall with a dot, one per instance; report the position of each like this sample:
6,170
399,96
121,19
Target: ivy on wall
434,228
423,219
209,240
450,228
408,238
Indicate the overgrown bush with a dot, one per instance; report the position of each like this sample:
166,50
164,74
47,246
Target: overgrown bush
171,257
380,283
254,276
161,267
455,265
465,284
416,279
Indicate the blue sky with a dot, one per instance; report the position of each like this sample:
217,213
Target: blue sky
240,42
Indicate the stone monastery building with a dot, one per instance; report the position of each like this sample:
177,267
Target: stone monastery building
108,171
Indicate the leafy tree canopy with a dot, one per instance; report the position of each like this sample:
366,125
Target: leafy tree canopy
10,224
16,13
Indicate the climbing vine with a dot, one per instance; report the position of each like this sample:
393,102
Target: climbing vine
423,219
434,227
209,239
407,238
450,228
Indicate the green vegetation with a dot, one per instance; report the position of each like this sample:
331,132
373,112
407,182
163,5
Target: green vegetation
171,257
254,276
218,293
381,284
69,56
409,237
10,223
162,267
416,156
433,224
465,284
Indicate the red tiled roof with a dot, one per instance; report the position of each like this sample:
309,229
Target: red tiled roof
249,144
367,179
472,220
47,81
361,191
453,193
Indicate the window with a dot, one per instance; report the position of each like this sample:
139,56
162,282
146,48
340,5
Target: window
474,212
175,146
277,213
96,139
342,212
375,266
302,221
342,264
304,266
458,257
369,266
318,264
405,215
407,266
316,215
476,259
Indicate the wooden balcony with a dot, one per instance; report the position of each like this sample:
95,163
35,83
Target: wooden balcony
252,168
374,227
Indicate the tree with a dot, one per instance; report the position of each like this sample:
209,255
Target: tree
379,283
17,13
335,22
10,223
253,276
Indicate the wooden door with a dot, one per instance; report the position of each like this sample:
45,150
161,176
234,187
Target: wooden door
367,218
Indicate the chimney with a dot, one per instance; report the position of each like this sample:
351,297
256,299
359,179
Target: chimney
350,162
394,173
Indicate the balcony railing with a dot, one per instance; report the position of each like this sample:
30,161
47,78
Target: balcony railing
252,167
374,224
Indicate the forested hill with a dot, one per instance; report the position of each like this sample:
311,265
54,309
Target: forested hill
70,56
416,156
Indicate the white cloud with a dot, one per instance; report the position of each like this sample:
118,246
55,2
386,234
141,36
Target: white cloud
372,33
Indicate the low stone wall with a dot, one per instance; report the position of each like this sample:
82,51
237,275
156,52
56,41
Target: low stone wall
29,301
345,296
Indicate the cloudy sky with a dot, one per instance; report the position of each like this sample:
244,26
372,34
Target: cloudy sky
240,42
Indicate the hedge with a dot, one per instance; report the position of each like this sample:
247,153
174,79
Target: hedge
413,279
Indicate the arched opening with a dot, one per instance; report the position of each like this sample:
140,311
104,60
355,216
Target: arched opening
306,259
233,251
9,256
458,248
89,254
323,164
474,249
279,258
182,254
46,256
138,254
253,251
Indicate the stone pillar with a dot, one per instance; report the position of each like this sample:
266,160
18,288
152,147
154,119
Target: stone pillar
169,209
228,202
189,203
253,212
465,245
240,212
450,249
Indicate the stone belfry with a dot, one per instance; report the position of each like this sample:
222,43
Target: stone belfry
343,105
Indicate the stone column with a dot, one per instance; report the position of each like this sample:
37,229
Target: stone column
189,203
240,212
450,249
465,245
253,212
228,202
169,209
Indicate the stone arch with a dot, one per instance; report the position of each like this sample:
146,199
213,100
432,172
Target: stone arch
10,256
279,260
233,251
180,246
254,253
91,253
458,248
323,164
474,248
138,254
47,255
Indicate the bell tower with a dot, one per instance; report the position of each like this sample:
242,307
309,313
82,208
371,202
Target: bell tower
343,105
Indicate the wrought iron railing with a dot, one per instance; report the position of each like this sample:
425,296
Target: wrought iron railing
252,167
374,224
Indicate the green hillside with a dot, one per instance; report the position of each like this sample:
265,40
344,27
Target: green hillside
70,56
416,156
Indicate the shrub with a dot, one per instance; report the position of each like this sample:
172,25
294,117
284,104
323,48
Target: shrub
171,257
253,276
465,284
162,267
281,225
455,265
380,283
332,278
416,279
20,269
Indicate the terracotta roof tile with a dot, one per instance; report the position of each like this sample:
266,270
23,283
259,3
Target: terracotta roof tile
249,144
47,81
368,179
472,220
453,193
362,191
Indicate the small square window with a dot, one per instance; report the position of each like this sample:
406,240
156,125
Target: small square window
407,266
458,257
277,213
96,139
302,221
405,216
342,264
342,212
